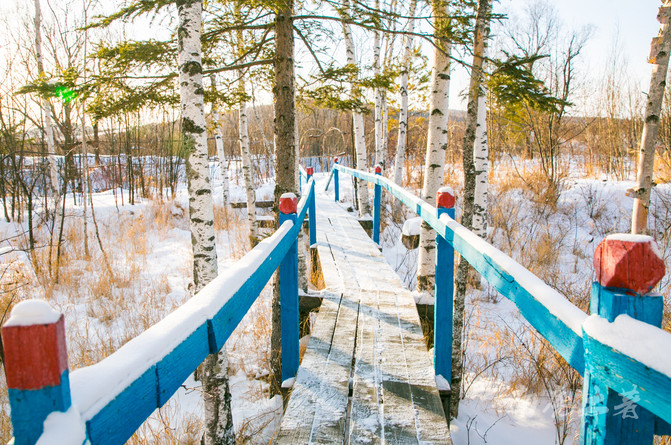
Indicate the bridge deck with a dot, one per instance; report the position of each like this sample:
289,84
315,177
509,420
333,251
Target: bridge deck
366,376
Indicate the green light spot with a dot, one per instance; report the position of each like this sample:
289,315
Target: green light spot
65,93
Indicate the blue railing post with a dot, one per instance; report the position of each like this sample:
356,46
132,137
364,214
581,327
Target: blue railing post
36,365
376,207
444,281
289,293
336,180
627,268
312,210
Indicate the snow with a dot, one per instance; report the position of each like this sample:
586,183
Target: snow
442,383
412,226
288,195
641,341
446,189
95,386
632,238
63,428
31,312
288,383
555,302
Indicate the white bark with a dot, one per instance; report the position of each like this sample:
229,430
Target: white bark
357,119
218,418
482,28
481,162
379,131
435,154
219,144
195,140
248,171
48,127
646,157
403,110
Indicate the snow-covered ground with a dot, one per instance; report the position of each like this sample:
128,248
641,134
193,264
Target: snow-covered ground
509,397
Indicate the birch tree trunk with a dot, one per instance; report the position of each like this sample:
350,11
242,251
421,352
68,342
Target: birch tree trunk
52,164
286,167
379,131
479,43
357,117
219,144
216,397
436,141
403,110
481,163
659,57
247,169
302,256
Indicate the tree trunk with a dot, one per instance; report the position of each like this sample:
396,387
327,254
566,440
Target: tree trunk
248,171
403,110
379,130
474,92
481,163
357,118
50,158
219,144
646,158
216,397
436,142
286,166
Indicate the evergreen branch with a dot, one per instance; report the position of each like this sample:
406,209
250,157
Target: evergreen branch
309,47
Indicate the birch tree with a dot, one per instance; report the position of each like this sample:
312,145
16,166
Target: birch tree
219,145
357,115
48,120
380,145
659,57
216,395
481,34
481,164
403,110
436,140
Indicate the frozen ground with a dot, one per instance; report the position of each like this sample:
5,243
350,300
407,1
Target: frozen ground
555,243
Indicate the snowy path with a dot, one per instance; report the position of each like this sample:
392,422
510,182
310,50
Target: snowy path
366,376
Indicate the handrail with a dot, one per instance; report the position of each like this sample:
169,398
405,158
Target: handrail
547,310
612,358
114,397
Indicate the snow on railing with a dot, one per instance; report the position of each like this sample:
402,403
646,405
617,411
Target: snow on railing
107,402
621,351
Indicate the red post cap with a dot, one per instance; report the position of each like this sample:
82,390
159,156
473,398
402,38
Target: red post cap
34,342
310,171
445,198
335,159
378,169
629,262
288,203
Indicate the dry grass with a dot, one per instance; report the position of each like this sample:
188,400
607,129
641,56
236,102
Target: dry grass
105,308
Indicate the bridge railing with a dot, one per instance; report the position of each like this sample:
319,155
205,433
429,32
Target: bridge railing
106,402
620,350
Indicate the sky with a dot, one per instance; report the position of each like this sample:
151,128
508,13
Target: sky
631,22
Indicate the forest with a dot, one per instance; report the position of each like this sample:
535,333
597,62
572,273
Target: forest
145,145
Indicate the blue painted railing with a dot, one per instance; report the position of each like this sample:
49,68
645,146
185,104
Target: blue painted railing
112,398
600,347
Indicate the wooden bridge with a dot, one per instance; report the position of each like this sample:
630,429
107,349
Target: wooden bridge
366,376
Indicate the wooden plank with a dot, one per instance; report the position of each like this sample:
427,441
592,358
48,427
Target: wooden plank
258,204
366,421
299,416
392,390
